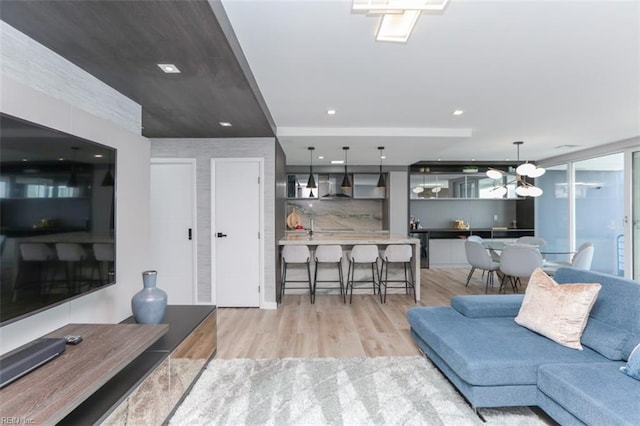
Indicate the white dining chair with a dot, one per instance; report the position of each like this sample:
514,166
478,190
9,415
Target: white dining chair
581,260
479,258
518,261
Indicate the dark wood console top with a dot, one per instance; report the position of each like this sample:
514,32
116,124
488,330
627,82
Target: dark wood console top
49,393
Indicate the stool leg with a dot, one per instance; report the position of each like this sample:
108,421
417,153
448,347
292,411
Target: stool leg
373,276
346,290
315,280
413,283
386,279
341,278
284,278
379,280
311,291
352,267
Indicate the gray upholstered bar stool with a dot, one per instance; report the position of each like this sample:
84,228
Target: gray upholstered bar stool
103,253
401,254
75,256
44,257
330,255
296,254
363,254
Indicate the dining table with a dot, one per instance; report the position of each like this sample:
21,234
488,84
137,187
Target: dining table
498,246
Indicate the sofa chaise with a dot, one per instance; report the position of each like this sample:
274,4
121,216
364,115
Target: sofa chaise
495,362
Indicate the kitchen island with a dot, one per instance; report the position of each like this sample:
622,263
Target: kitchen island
349,239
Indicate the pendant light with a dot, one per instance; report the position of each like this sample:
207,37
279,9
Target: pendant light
73,178
381,182
311,183
346,182
108,178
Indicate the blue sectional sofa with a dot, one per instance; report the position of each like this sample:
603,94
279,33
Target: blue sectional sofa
495,362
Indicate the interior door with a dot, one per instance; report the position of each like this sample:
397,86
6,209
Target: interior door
173,249
236,219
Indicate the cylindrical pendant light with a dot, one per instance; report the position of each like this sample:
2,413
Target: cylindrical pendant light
381,182
346,182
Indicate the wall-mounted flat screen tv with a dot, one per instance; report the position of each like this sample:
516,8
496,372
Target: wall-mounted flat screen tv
57,204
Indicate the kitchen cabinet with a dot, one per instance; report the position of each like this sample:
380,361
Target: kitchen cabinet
364,186
297,186
328,187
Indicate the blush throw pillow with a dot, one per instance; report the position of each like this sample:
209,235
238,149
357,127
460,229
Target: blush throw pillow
558,312
632,369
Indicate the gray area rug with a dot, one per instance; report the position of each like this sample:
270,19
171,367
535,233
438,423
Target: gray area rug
331,391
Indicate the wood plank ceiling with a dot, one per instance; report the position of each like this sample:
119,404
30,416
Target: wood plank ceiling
121,43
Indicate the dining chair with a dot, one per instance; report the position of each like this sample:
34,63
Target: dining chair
517,261
581,260
479,258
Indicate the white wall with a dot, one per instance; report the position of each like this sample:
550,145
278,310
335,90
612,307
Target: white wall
111,304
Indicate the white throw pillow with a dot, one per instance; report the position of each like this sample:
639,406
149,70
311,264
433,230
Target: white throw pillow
558,312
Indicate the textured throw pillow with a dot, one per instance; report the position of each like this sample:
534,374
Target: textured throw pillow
558,312
632,369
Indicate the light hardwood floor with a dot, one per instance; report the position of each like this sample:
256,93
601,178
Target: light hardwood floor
330,328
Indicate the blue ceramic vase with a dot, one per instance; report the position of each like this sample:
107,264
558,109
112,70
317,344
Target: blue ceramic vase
149,304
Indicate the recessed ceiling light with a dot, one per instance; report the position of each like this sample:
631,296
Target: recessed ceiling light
320,157
331,112
24,159
225,124
61,159
383,157
98,155
337,161
169,68
458,112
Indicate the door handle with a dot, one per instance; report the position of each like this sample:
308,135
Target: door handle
190,234
221,235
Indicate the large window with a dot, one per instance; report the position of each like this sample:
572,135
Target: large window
599,210
636,215
552,211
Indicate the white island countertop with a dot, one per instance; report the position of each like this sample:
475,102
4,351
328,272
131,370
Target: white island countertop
347,238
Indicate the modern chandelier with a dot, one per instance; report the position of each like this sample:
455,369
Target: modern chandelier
398,16
523,171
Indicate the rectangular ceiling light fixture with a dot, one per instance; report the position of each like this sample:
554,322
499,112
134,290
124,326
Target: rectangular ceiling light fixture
397,27
398,16
393,6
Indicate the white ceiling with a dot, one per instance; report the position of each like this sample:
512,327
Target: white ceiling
550,73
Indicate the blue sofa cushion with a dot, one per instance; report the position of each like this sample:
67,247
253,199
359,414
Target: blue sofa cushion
490,351
616,308
493,305
632,369
595,393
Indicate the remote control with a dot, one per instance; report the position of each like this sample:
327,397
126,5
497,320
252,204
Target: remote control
73,339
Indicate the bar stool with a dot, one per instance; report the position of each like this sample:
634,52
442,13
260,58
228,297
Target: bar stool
331,255
400,253
103,253
41,255
74,255
363,254
296,255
